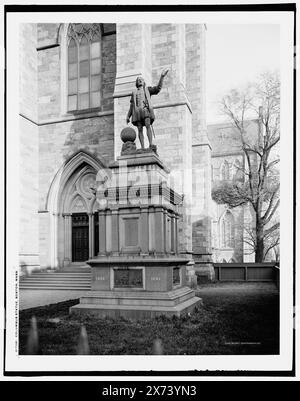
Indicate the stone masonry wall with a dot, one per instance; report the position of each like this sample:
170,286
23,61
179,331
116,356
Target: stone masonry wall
63,134
173,124
201,175
133,59
195,78
58,142
28,189
49,100
202,203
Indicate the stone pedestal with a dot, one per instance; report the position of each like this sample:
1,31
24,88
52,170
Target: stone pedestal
138,272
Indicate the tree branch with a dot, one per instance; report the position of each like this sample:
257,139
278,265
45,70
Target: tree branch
271,229
268,219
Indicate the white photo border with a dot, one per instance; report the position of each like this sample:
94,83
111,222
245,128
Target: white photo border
168,364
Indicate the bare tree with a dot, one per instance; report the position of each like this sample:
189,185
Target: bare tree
258,183
271,240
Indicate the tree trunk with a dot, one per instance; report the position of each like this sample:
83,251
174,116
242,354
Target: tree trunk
259,251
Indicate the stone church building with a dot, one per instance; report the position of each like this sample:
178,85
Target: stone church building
75,86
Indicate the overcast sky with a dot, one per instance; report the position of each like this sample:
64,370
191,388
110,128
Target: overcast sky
235,55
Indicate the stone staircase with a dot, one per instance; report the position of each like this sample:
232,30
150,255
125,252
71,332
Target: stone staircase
71,278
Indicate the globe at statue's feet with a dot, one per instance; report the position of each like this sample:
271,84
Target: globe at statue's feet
128,134
128,137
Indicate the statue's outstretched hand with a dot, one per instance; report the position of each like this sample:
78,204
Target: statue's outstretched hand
164,72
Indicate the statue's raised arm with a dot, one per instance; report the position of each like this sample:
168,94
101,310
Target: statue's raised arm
141,111
154,90
164,72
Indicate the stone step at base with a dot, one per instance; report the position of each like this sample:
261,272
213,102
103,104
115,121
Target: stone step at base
142,294
126,301
74,279
56,279
74,267
56,284
68,270
54,287
58,275
136,311
170,298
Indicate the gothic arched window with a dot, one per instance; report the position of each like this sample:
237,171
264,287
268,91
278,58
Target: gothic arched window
225,171
227,230
84,66
239,174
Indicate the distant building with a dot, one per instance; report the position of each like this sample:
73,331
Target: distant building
228,225
231,228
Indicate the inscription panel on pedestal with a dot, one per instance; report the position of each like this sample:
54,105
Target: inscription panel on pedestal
101,279
130,233
128,278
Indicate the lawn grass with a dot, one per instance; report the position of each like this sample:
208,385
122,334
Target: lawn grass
226,322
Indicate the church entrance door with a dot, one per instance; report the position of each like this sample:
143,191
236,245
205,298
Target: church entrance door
80,237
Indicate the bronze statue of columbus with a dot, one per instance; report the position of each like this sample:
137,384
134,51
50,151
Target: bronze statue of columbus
141,110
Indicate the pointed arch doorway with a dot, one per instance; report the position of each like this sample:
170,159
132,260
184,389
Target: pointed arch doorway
80,215
72,200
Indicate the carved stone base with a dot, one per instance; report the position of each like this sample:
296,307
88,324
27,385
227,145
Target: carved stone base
152,148
128,148
137,305
138,272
